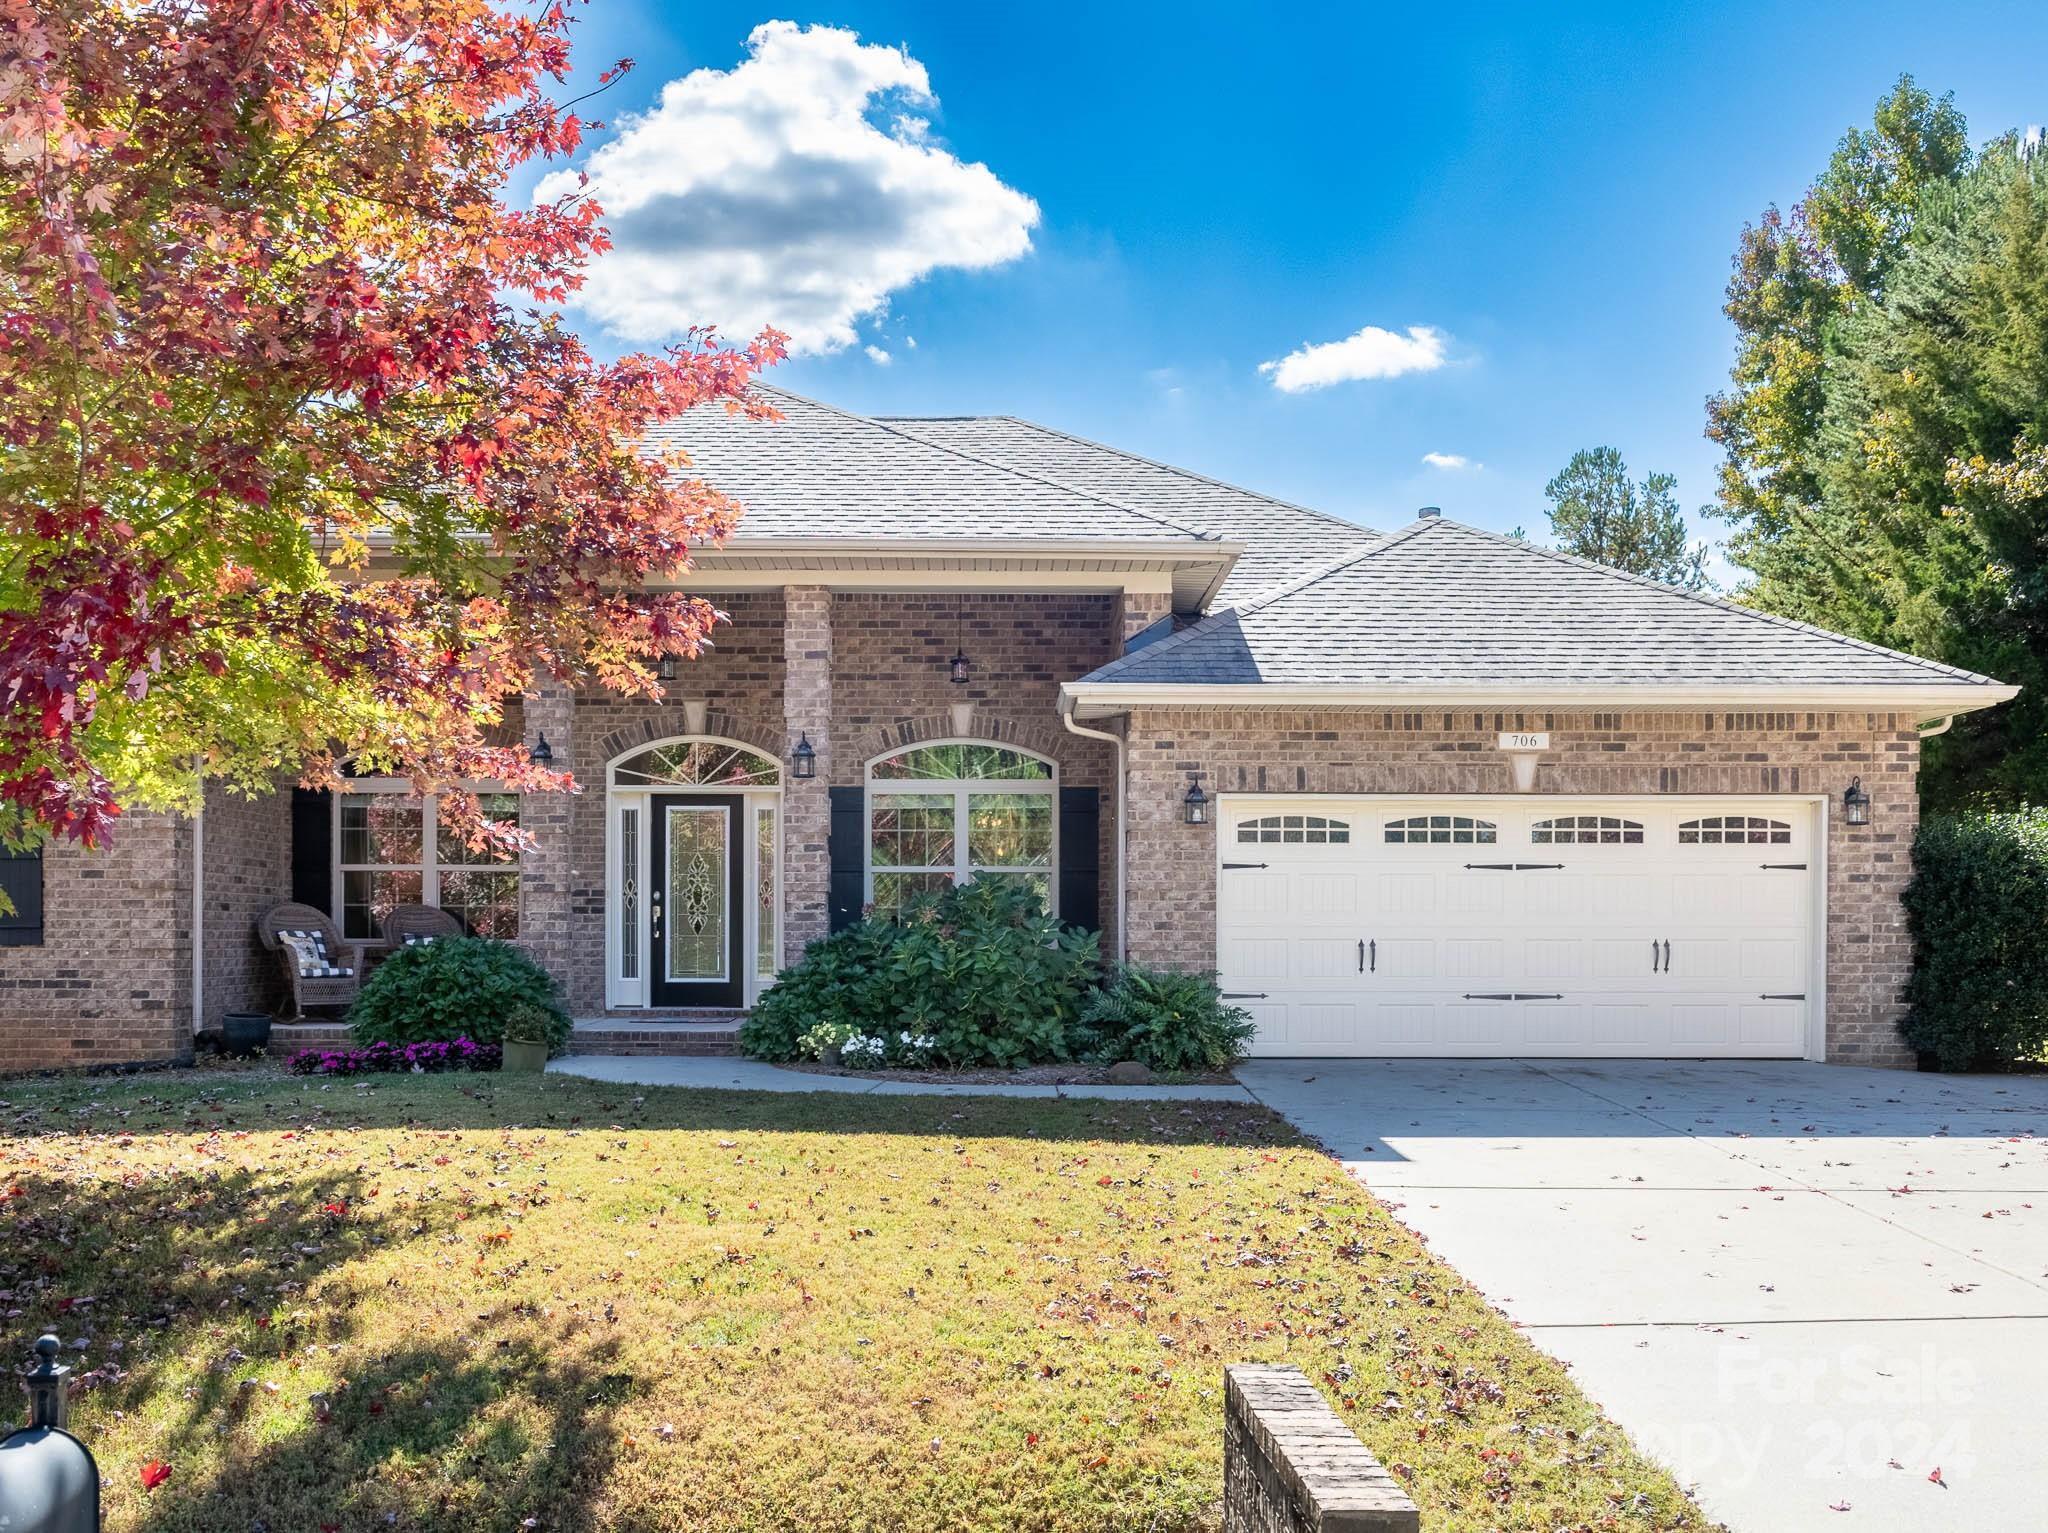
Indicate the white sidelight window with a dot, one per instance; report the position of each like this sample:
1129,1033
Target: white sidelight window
944,813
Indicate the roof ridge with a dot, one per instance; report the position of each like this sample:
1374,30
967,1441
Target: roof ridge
884,423
1719,603
1171,468
1197,629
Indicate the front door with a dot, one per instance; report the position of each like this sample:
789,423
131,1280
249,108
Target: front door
696,909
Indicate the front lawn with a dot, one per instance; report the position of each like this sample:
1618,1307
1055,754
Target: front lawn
498,1303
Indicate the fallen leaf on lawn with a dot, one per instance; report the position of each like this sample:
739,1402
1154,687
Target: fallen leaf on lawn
156,1471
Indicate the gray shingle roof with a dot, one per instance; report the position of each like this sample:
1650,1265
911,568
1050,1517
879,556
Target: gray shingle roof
1441,604
1283,542
825,473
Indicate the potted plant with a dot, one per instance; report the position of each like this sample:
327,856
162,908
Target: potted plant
526,1039
245,1034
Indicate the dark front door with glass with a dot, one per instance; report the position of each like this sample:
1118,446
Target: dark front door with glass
696,907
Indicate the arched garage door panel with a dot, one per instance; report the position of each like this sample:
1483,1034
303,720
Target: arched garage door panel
1520,926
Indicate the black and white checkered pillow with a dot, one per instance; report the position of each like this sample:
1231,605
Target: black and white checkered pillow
310,949
418,939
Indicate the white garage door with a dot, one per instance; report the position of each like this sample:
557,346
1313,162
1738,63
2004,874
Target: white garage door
1519,926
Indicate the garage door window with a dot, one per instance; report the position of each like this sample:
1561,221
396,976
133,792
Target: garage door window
1295,829
1443,830
1733,830
1586,830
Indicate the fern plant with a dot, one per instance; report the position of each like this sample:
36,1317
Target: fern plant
1167,1020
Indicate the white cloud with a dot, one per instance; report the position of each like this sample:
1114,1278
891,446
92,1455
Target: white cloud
799,189
1371,353
878,356
1450,462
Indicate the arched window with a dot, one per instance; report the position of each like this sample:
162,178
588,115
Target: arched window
1294,829
1734,830
1586,830
697,764
944,813
1443,829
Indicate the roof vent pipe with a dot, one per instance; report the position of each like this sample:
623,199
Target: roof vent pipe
1427,513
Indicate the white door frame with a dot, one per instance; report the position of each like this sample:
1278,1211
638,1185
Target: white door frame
627,993
1819,805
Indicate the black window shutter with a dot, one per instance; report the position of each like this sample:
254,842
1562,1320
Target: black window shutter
21,875
846,889
1081,857
313,848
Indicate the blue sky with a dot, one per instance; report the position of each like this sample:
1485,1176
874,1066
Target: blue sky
1538,205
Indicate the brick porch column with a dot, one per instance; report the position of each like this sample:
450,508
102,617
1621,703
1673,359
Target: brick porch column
545,875
806,807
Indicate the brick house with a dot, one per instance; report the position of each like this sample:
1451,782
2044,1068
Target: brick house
1427,792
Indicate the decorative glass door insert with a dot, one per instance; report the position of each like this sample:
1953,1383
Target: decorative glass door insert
695,905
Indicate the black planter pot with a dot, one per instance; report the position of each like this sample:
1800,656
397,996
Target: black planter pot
245,1034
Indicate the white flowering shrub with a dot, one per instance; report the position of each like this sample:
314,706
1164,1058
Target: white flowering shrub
863,1052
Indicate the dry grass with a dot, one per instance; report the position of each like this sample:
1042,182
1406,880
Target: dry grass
441,1303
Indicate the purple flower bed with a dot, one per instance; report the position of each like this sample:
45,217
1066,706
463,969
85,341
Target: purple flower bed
394,1058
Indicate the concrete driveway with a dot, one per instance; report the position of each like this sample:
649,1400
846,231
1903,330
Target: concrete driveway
1800,1286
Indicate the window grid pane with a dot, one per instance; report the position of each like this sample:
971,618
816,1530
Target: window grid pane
1442,829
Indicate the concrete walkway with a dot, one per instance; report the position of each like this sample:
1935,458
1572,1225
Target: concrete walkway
1800,1286
734,1074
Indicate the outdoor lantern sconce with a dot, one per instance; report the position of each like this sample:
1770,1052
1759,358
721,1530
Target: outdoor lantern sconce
1194,808
957,666
542,753
1856,803
665,668
803,761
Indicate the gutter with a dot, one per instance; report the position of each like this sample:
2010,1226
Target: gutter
1122,830
1940,726
199,913
1100,699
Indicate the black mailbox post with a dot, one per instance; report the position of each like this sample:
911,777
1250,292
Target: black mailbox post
48,1480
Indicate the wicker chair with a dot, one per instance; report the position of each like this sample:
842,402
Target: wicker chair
308,990
407,924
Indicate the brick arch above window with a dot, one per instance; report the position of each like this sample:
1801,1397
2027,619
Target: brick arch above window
666,723
930,728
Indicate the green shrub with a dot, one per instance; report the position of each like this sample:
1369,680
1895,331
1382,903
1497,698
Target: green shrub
977,975
835,983
1166,1020
990,978
1978,910
458,987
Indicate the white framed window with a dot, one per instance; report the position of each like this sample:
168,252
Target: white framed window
1734,830
1293,829
390,848
944,813
1442,830
1586,830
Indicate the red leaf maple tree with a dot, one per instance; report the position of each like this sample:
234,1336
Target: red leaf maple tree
299,463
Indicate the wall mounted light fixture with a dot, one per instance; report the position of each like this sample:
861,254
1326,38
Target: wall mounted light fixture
1856,803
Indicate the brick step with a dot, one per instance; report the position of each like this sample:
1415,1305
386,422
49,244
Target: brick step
659,1033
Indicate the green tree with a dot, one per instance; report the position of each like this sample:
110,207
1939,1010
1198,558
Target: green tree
1931,460
1597,512
1796,276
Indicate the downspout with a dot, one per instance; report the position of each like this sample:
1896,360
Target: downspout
1122,831
199,913
1940,726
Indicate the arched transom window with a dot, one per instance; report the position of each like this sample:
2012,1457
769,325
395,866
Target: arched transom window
1298,829
697,764
1444,829
1586,830
944,813
1734,830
